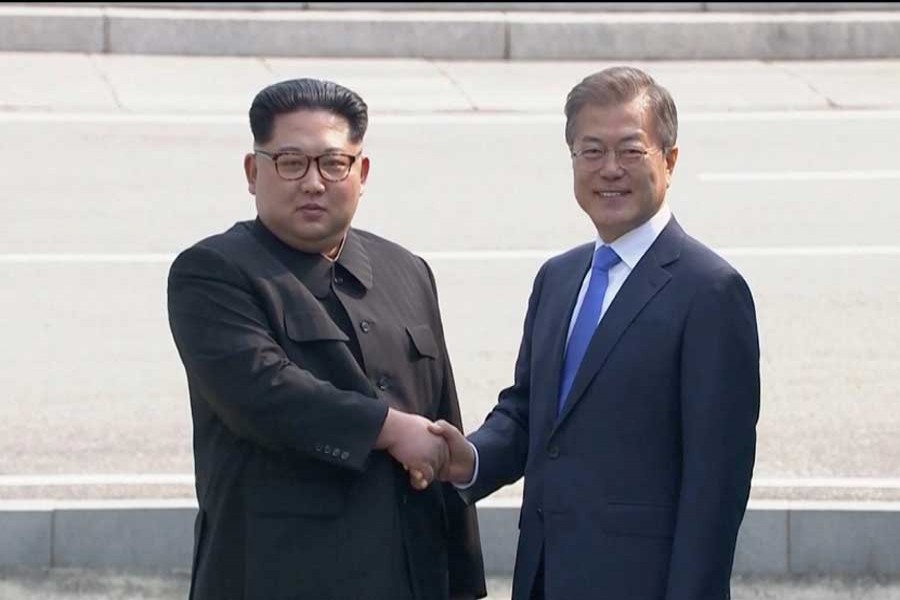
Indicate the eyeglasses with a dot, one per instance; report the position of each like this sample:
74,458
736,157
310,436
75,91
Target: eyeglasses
591,159
332,166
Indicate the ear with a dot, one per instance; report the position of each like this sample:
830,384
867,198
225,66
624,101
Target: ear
671,159
250,172
363,173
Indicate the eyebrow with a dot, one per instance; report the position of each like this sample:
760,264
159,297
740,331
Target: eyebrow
299,150
628,138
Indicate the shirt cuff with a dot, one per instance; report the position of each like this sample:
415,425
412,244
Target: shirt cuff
471,482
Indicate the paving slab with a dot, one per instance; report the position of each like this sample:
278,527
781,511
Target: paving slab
184,84
63,82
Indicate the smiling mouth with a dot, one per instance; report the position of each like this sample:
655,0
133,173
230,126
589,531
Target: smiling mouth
618,194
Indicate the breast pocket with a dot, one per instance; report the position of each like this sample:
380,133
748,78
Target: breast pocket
423,342
422,379
319,346
312,326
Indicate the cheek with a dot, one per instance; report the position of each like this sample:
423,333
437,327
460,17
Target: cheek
347,199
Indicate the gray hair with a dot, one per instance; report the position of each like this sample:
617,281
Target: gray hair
618,85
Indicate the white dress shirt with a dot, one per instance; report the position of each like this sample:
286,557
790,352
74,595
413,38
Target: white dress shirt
631,248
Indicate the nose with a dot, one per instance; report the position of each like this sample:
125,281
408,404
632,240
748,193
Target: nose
610,167
312,182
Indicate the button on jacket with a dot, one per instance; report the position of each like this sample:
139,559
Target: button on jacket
292,361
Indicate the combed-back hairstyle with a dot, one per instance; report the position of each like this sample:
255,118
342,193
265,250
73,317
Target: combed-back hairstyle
312,94
618,85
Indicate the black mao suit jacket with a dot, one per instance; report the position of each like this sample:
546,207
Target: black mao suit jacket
287,404
637,489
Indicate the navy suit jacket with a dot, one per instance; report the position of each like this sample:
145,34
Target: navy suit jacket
637,489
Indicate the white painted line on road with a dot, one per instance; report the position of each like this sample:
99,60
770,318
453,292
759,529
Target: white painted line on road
798,176
133,503
790,115
484,255
472,117
19,481
123,118
66,258
827,482
461,255
132,479
799,251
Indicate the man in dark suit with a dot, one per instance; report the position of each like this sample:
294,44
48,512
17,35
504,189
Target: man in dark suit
633,411
315,359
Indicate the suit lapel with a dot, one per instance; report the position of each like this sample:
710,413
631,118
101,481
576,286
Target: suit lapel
561,297
642,284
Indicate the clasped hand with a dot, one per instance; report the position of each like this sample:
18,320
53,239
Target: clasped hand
427,450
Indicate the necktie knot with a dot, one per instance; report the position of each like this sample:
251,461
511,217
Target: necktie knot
605,258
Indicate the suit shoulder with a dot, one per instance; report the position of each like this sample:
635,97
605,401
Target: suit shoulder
706,266
384,249
573,255
573,258
221,245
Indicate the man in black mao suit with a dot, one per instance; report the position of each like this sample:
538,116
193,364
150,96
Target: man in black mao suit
633,411
315,359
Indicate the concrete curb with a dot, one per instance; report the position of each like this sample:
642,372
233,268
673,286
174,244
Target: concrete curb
777,538
453,34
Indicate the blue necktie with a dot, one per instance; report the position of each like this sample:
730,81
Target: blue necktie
604,259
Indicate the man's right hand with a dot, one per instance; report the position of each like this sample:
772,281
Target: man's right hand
407,438
461,466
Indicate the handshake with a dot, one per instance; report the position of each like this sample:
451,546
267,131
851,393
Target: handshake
427,450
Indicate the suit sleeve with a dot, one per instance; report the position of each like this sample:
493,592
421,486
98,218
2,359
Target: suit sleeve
465,561
502,441
720,407
236,365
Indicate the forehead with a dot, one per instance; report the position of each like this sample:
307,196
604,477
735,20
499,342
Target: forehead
615,123
310,130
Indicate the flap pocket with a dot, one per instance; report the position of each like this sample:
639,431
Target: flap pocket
423,340
311,499
312,327
647,520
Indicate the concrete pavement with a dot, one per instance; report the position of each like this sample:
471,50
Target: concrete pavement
179,85
75,584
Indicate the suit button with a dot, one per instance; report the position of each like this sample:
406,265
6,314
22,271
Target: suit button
553,452
365,326
383,384
345,455
540,513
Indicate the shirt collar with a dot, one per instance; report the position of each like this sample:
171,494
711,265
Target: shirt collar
632,246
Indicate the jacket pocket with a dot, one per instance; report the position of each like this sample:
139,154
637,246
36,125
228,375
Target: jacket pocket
294,546
643,520
423,340
312,327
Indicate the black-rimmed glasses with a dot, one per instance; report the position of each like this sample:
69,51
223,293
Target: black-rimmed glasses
332,166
